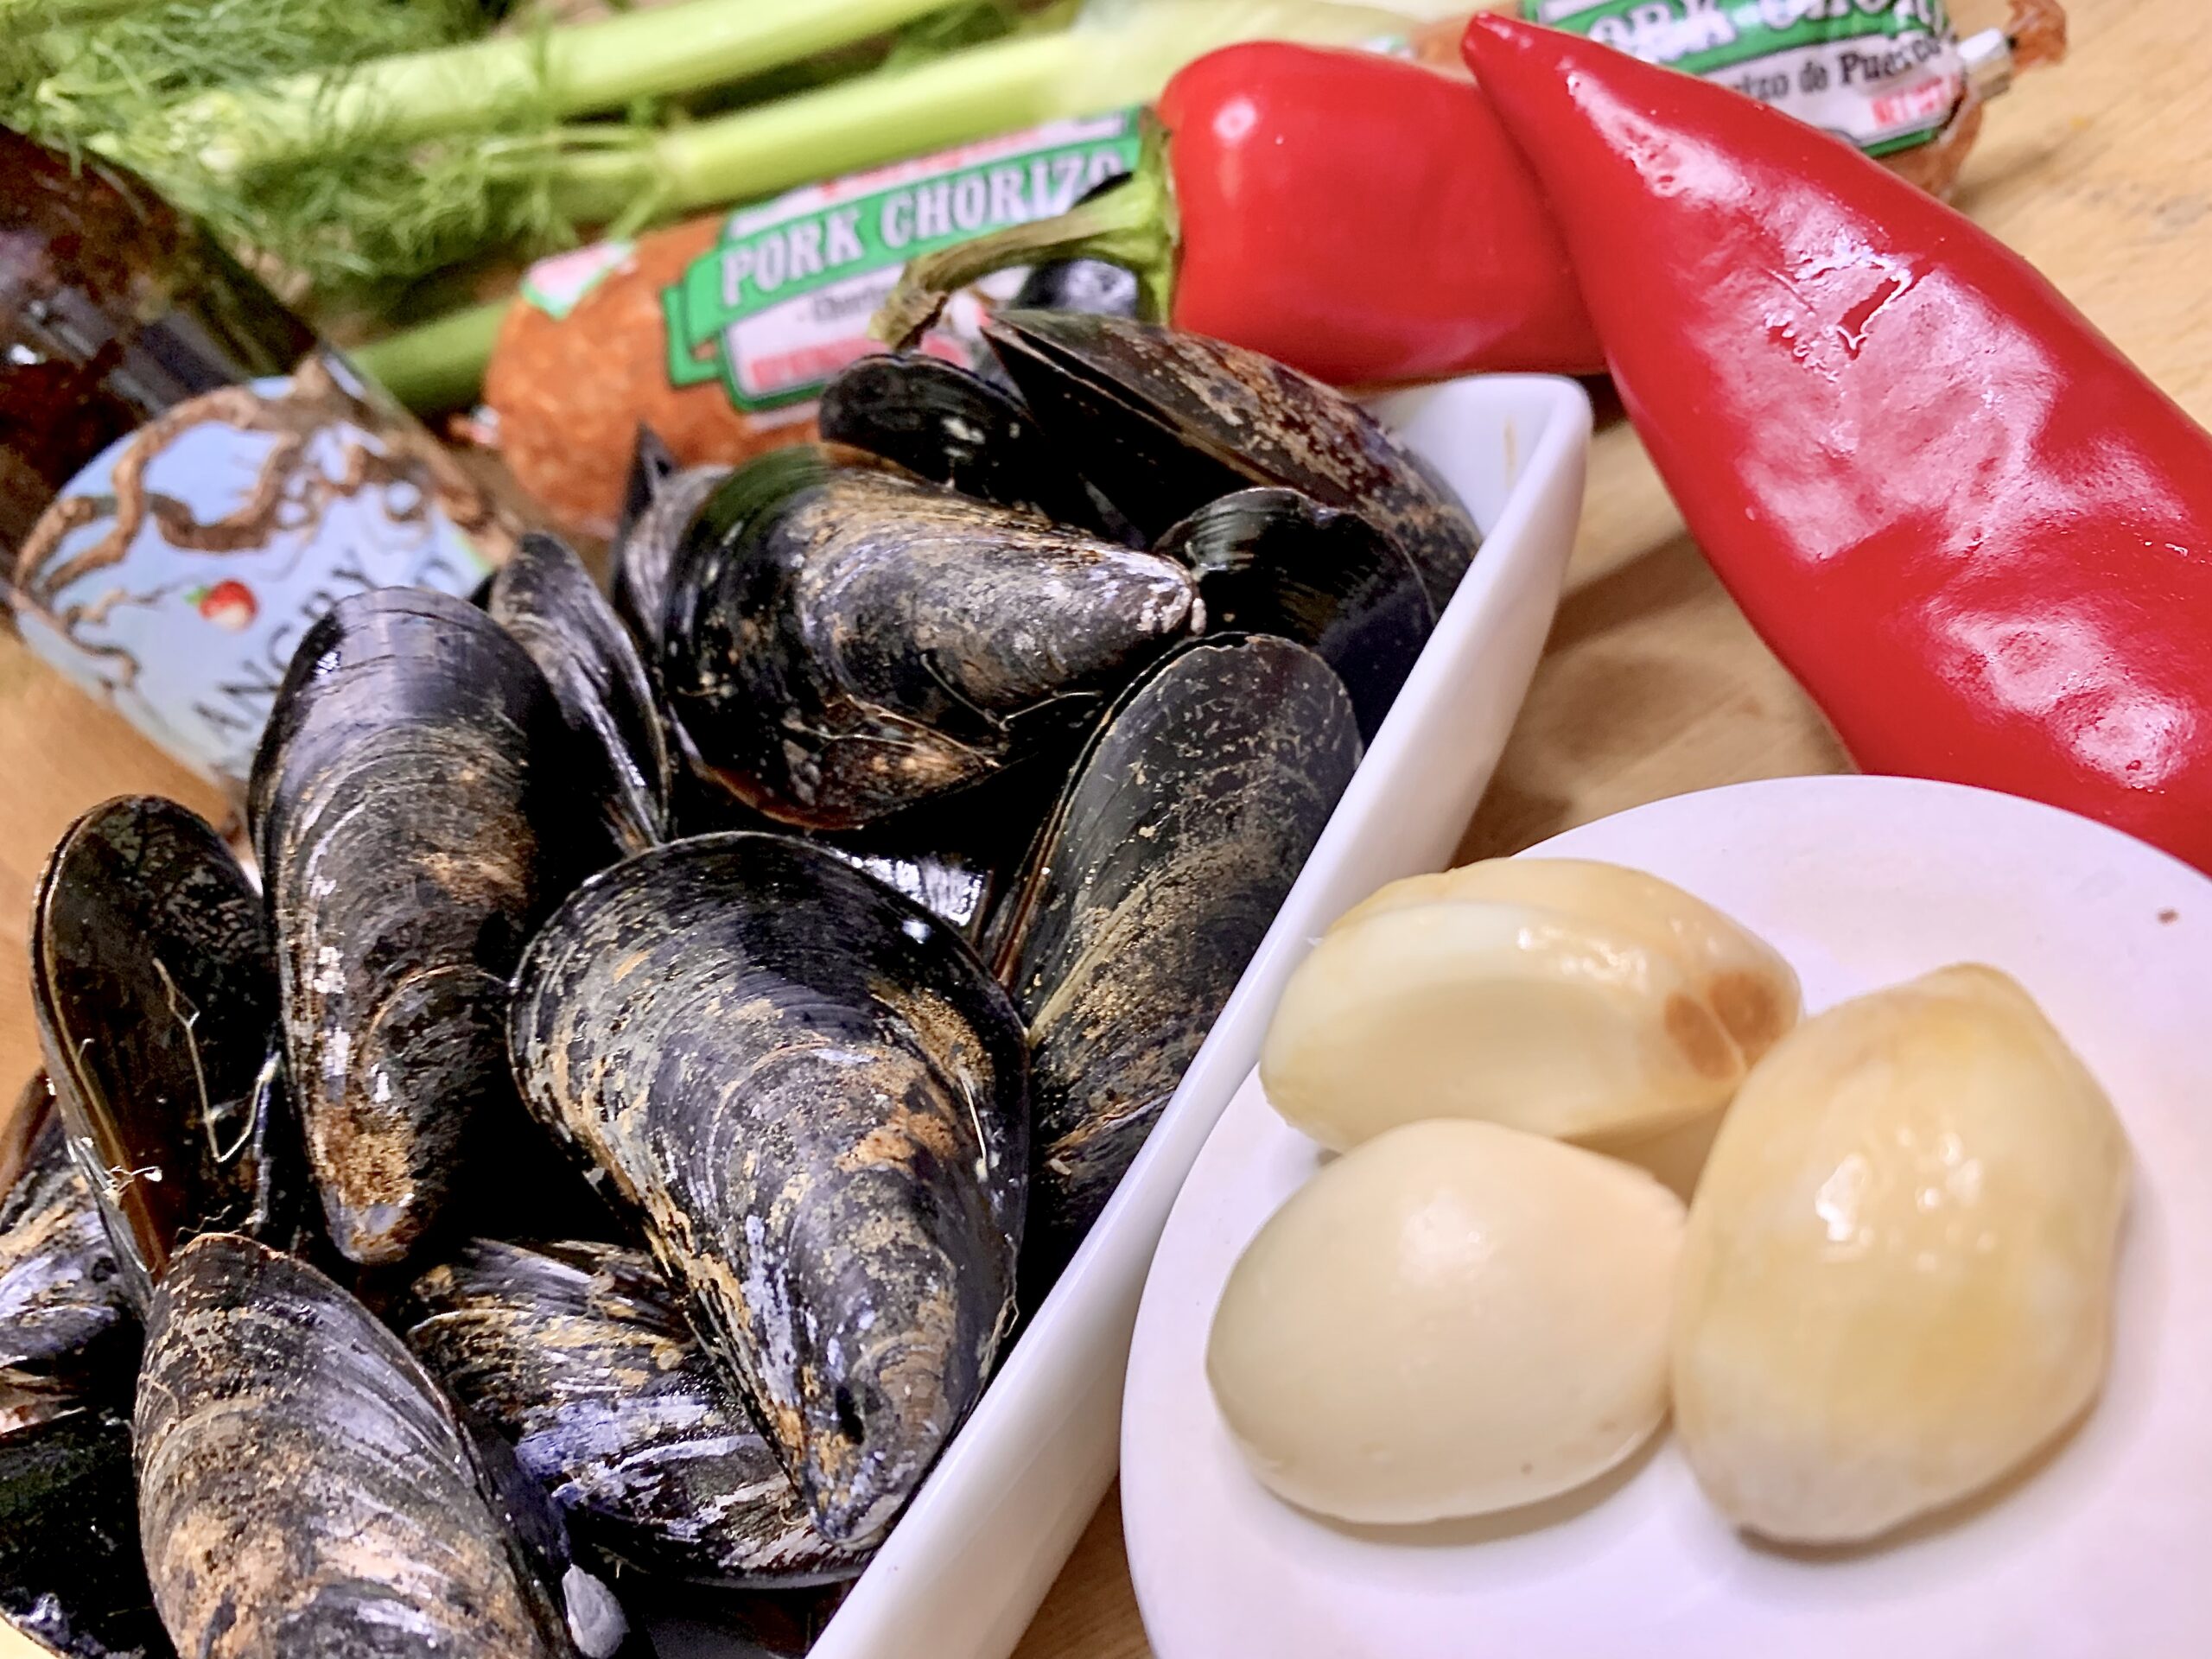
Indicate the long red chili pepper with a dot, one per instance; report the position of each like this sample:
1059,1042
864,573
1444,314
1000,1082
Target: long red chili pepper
1977,534
1359,217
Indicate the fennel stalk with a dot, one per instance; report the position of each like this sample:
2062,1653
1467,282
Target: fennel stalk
564,71
1118,52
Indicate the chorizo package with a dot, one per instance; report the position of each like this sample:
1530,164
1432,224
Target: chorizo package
719,334
1891,76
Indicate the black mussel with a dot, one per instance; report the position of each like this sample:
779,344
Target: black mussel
580,1355
1278,562
943,423
156,997
951,857
1073,285
1092,285
956,856
955,890
1151,887
65,1326
1166,422
652,463
71,1579
596,1623
1095,285
815,1097
418,808
304,1487
844,643
658,504
545,598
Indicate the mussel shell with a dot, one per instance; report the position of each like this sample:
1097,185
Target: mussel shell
955,857
955,890
844,644
1092,285
1165,422
652,463
545,598
659,503
1177,841
580,1355
1278,562
416,808
303,1488
1097,285
156,996
816,1098
943,423
1074,285
952,857
65,1326
597,1625
71,1579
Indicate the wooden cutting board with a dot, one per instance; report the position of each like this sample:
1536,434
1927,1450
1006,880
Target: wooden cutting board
2100,170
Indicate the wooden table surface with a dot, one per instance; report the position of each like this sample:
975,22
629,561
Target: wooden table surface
2100,170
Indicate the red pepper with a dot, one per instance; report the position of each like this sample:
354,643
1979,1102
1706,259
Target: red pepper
1358,217
1977,534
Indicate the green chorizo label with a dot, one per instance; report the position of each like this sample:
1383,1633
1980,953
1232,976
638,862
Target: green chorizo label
1883,73
783,300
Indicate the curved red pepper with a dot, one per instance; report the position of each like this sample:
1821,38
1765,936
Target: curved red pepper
1358,217
1977,534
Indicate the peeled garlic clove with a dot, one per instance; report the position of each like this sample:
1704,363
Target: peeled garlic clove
1455,1318
1743,977
1897,1280
1537,1019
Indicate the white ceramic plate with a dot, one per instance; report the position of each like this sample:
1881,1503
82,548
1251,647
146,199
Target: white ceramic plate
2098,1552
963,1571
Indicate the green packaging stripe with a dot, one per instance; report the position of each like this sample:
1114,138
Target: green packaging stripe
1883,73
748,274
782,301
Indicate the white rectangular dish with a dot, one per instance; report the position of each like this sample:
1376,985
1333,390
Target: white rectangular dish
964,1570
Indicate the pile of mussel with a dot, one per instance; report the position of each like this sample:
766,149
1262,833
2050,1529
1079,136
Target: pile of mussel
611,1126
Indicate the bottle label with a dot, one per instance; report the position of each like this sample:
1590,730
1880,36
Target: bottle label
174,575
782,301
1884,74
